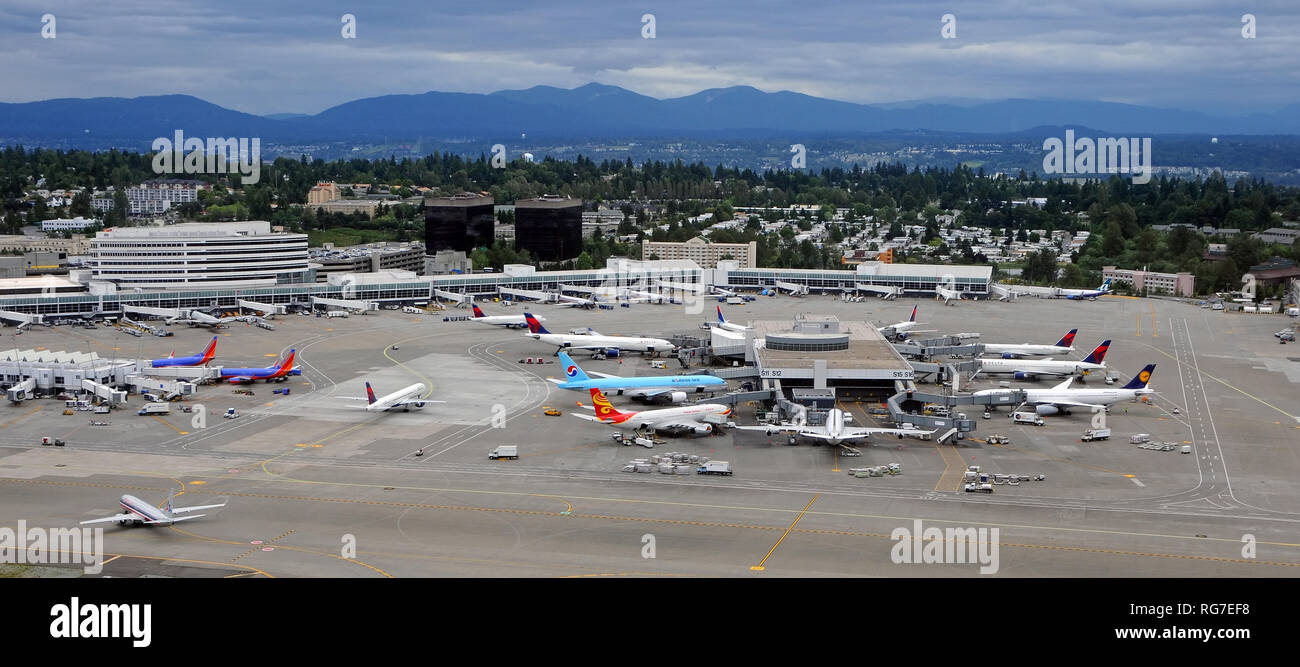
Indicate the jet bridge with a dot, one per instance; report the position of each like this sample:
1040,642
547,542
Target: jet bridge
268,308
190,373
886,292
167,389
21,391
23,319
943,346
953,426
164,313
524,294
349,304
450,296
108,394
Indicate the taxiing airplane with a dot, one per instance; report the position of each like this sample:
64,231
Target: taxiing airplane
673,388
507,321
138,513
1062,398
200,359
684,419
834,431
724,324
276,373
595,341
405,399
1082,294
1030,369
1012,351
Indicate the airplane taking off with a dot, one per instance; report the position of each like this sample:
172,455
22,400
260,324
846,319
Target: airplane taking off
670,387
405,398
1030,369
200,359
138,513
1081,294
834,431
1012,351
507,321
595,341
1061,398
276,373
724,324
683,419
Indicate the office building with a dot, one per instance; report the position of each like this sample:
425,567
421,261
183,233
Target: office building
549,227
199,255
462,222
702,252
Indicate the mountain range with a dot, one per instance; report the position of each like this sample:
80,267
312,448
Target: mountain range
594,111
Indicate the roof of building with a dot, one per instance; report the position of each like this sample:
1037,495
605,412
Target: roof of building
867,348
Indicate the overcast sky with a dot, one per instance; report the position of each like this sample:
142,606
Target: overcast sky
268,56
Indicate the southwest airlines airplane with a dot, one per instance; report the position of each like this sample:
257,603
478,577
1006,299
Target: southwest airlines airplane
671,387
276,373
138,512
200,359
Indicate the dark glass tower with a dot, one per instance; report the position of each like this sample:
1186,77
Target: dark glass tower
463,222
550,228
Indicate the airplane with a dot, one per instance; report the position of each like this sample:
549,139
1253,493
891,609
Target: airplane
507,321
270,373
576,301
595,341
670,387
405,398
683,419
834,431
724,324
1030,369
1012,351
902,329
138,513
200,318
200,359
1081,294
1061,398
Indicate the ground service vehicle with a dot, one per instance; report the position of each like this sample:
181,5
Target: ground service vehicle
504,452
979,488
714,468
1096,434
155,409
1027,418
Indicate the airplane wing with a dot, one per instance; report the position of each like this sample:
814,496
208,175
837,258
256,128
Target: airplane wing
602,375
773,429
413,401
591,418
850,432
353,398
239,379
173,519
116,517
1071,404
182,510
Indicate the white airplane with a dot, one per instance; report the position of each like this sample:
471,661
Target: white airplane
834,431
595,341
200,318
683,419
567,301
507,321
1012,350
1085,294
1030,369
729,326
903,329
1061,398
138,513
405,398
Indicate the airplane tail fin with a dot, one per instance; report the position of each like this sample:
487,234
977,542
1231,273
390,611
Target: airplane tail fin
603,408
210,351
1098,355
571,370
370,394
288,362
1068,339
477,312
533,325
168,507
1140,380
1105,286
720,318
913,317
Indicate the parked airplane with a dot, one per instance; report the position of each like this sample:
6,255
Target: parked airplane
200,359
834,431
684,419
902,329
1030,369
200,318
595,341
1062,398
673,388
724,324
405,398
1081,294
1012,351
576,301
138,512
507,321
276,373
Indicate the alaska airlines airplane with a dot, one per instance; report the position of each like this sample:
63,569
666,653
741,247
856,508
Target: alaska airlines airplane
405,398
670,387
683,419
724,324
276,373
1081,294
138,512
1012,351
506,321
200,359
595,341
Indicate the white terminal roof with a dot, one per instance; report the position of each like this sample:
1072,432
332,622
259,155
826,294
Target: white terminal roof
37,282
48,356
192,230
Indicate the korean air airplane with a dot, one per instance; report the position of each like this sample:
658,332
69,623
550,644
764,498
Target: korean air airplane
664,388
200,359
276,373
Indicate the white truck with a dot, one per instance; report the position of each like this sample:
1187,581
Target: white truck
1021,417
973,487
412,310
1139,438
1095,434
337,313
734,301
155,409
714,468
504,452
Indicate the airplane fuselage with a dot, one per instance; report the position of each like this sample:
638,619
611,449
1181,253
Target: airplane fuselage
1026,349
1038,366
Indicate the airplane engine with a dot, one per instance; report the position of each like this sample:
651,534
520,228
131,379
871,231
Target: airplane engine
1045,410
419,404
1022,376
1008,355
611,352
702,429
677,397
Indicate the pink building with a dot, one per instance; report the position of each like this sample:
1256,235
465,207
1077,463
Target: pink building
1146,282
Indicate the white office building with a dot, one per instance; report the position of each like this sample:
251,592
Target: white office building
199,255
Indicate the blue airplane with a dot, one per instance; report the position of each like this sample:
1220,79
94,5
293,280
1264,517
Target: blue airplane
666,388
1080,294
276,373
200,359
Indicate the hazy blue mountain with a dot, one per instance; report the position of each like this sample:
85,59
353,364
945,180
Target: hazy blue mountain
285,116
127,119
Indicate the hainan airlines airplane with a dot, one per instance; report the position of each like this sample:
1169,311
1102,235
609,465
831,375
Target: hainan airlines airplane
507,321
138,513
276,373
200,359
405,399
671,387
1012,351
1030,369
595,341
683,419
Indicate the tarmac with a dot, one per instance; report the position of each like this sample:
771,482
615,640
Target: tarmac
318,487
